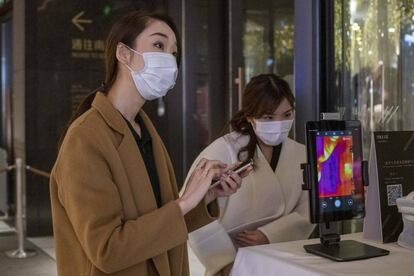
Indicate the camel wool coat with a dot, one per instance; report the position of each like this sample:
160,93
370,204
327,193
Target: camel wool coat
105,216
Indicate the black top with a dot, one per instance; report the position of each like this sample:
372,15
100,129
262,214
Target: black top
145,147
275,156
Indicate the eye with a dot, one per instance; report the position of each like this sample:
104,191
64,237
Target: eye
267,117
159,45
288,115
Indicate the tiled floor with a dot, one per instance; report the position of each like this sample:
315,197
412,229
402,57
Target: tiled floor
47,244
39,265
5,228
44,263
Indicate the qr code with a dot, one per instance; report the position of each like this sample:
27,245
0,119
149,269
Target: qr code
394,192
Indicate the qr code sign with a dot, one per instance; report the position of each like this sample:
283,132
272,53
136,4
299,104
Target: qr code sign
394,192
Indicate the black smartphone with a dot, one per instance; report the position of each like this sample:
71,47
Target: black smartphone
240,168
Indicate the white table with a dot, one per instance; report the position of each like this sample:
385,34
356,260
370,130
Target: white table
289,258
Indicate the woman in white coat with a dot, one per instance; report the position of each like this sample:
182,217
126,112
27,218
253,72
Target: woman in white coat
270,205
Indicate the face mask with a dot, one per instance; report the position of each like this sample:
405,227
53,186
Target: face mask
273,133
158,75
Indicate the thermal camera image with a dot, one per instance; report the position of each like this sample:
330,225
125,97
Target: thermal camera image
335,165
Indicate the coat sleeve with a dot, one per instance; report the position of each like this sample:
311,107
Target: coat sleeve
93,205
211,243
293,226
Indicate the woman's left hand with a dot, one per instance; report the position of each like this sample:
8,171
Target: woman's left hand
230,182
250,238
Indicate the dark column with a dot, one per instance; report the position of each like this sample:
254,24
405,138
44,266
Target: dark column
306,62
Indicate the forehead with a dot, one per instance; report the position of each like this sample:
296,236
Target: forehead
158,26
283,107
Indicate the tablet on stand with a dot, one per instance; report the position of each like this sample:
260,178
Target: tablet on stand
335,176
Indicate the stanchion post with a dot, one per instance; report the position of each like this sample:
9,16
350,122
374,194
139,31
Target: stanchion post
20,252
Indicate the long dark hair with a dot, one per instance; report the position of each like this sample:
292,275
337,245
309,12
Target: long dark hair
262,95
124,30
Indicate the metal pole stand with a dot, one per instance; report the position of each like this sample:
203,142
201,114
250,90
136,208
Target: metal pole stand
20,252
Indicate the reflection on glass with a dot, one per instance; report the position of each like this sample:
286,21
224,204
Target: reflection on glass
198,101
268,38
374,48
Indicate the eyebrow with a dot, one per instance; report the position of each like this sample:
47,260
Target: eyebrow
160,34
163,35
289,110
284,112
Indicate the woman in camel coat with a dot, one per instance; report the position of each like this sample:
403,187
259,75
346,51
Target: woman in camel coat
115,203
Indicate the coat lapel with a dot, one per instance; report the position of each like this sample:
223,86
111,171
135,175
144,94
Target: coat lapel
161,261
137,174
161,162
130,156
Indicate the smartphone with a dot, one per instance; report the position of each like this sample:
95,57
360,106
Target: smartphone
240,168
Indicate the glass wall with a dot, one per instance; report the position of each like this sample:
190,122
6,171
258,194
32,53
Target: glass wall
267,35
268,38
226,43
374,64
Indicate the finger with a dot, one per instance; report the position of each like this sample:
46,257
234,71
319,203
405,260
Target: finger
233,185
252,237
244,236
201,163
245,241
234,165
242,244
194,175
246,172
214,173
216,164
250,232
224,187
236,179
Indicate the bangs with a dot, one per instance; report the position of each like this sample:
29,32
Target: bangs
264,94
267,105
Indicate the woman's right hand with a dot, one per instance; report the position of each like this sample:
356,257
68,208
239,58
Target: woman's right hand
199,183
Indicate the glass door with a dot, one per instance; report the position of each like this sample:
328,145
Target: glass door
261,41
225,43
374,54
372,78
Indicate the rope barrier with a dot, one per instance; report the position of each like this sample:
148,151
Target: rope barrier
37,171
20,168
29,168
8,168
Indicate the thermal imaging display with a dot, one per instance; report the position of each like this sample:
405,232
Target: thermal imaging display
334,164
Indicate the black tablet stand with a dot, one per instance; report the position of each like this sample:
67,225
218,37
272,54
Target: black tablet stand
331,246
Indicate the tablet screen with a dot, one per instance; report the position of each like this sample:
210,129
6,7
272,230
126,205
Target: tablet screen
335,169
336,159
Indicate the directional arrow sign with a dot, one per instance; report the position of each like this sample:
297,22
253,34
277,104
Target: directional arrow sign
77,21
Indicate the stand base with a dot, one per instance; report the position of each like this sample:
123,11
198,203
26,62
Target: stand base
21,254
345,251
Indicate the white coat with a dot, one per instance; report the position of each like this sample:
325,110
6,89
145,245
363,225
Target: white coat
271,201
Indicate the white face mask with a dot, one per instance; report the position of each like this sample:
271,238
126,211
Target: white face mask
273,133
158,75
